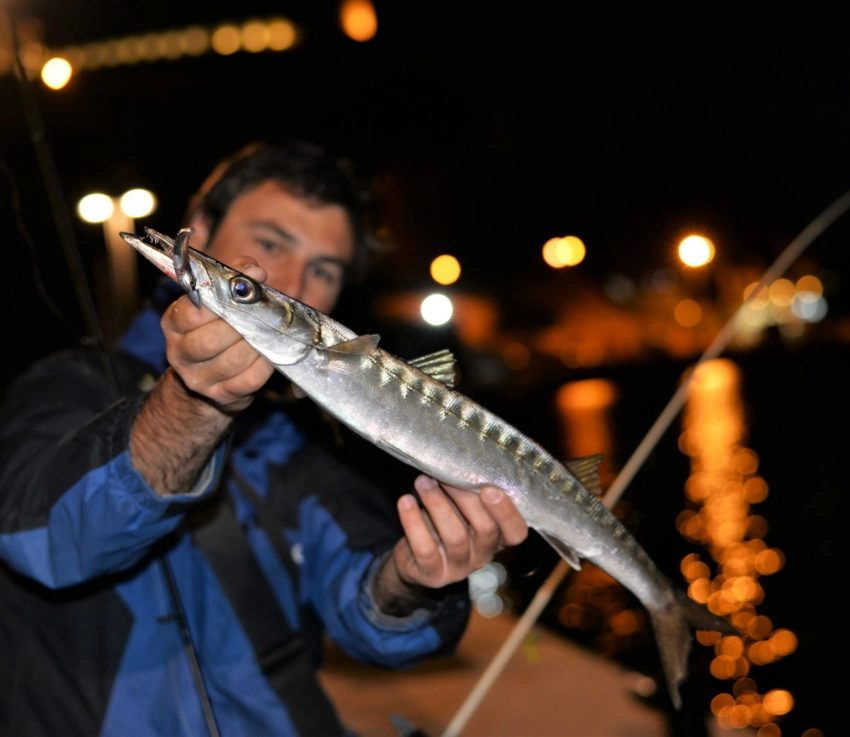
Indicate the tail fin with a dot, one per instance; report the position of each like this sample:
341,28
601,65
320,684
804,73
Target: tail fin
672,625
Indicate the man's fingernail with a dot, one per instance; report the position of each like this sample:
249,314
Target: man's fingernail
492,495
407,501
423,483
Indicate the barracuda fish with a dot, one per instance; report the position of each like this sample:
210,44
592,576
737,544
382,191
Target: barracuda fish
411,411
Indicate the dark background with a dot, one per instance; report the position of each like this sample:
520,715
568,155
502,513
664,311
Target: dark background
488,130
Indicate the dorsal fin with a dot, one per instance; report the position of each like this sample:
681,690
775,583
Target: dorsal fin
361,344
440,365
586,470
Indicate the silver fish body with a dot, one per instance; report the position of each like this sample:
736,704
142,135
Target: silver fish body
400,407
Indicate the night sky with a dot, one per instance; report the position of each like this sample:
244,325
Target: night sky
496,129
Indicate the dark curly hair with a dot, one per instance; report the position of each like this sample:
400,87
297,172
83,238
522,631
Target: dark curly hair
303,169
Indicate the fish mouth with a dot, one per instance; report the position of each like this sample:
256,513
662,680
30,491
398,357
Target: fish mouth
156,248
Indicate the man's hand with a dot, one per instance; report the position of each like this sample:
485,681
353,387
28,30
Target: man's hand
210,357
213,375
454,533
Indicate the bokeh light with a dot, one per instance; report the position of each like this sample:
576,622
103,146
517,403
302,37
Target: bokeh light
226,40
436,309
137,203
687,313
723,484
358,19
95,207
560,252
696,250
56,73
445,269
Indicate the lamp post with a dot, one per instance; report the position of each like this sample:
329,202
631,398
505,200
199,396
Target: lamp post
120,293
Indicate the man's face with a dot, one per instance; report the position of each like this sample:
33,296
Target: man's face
304,248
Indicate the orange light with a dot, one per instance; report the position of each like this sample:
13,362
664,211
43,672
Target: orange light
567,251
445,269
358,19
687,313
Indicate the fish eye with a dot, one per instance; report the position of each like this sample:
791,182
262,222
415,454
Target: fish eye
244,290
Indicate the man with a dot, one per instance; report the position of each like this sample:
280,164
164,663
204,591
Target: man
172,553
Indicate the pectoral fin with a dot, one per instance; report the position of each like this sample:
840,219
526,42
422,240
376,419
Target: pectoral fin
396,453
362,344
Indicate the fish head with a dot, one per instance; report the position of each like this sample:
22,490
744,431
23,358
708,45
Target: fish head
281,328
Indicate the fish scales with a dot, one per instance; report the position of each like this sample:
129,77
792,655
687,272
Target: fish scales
430,444
439,431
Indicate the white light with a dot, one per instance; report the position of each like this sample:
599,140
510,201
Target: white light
436,309
95,208
482,581
695,250
136,203
490,605
56,73
809,306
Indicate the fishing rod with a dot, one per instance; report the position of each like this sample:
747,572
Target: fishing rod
544,594
94,338
53,187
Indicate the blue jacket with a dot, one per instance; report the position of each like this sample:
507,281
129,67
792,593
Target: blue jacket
89,643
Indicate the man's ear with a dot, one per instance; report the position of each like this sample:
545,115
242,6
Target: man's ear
201,233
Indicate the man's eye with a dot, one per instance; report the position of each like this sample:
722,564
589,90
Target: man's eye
327,274
269,246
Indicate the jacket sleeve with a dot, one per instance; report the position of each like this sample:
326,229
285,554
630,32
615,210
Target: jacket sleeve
344,528
72,506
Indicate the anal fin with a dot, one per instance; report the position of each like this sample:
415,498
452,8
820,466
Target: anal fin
564,550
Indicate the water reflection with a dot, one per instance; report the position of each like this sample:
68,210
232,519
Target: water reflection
594,601
722,486
733,556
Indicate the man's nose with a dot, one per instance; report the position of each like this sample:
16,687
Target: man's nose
292,281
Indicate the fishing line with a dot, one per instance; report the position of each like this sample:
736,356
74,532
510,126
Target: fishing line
791,253
20,226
